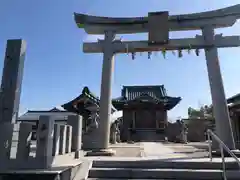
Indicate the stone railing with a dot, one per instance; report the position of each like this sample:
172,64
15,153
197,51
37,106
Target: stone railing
55,143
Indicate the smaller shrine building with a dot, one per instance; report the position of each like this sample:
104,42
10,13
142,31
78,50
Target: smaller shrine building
144,112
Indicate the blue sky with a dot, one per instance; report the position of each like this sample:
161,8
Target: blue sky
56,69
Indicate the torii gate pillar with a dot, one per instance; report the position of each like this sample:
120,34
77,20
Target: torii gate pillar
102,143
220,108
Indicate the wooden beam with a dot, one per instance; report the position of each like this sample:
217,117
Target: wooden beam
174,44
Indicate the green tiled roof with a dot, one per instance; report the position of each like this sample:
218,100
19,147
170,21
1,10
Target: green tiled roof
80,25
234,99
77,105
131,92
153,94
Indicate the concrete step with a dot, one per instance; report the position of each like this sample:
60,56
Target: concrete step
26,176
186,174
123,179
159,164
138,179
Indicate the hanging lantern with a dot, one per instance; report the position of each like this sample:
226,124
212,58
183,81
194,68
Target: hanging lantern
133,55
173,52
127,49
180,53
149,55
189,49
80,25
114,37
164,53
197,52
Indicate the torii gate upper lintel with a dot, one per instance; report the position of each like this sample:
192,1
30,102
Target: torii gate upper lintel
220,18
158,25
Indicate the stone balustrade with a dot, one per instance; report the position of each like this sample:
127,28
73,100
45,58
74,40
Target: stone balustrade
55,143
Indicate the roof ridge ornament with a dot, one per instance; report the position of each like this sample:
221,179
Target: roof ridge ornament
85,90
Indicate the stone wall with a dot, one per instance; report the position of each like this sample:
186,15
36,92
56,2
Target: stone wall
197,129
173,131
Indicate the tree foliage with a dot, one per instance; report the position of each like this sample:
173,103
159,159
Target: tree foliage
205,112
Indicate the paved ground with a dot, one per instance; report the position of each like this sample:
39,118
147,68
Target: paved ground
127,150
152,149
156,150
171,150
186,148
159,150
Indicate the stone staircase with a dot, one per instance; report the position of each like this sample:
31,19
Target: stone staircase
159,169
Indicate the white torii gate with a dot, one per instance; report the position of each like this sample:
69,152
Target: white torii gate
158,26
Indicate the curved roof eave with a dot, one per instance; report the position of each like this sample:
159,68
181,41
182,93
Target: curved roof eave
89,19
85,91
173,102
234,98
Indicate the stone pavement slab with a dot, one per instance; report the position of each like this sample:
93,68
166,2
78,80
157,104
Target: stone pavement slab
127,150
160,150
157,150
171,150
184,148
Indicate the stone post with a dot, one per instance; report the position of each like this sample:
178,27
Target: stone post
12,80
24,141
45,133
103,129
76,123
56,139
10,96
6,135
63,134
220,109
68,139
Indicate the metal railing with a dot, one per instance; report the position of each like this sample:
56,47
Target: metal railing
223,147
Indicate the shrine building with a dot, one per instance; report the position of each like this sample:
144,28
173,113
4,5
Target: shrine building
144,112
